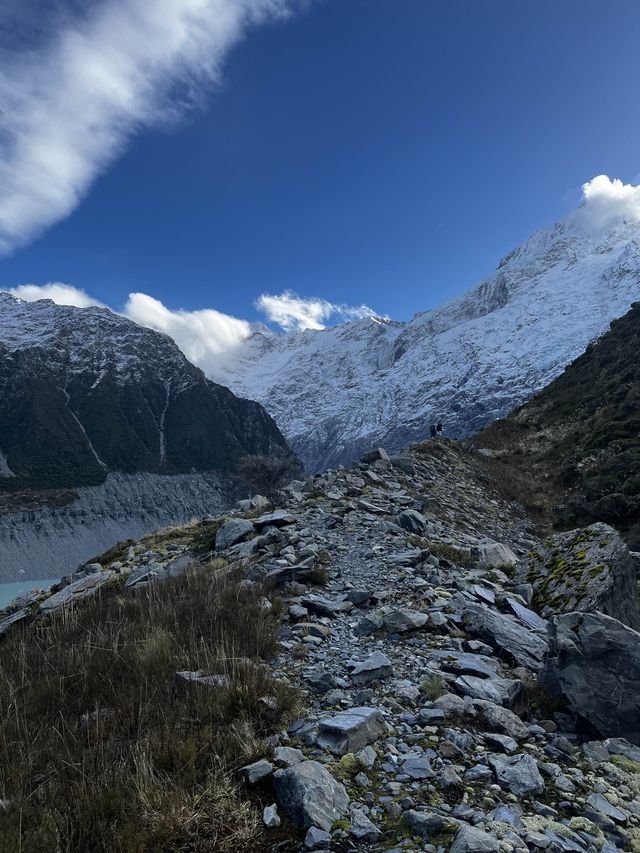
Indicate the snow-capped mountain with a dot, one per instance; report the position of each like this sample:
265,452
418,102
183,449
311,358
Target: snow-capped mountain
336,392
85,392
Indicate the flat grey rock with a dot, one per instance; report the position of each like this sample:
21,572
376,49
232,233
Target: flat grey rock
287,756
501,720
369,624
417,767
256,772
495,553
277,518
351,730
270,817
362,829
12,619
317,839
527,616
310,795
601,804
403,619
376,667
470,839
323,606
413,521
466,663
502,691
76,591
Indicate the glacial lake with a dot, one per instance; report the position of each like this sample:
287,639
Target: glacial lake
9,591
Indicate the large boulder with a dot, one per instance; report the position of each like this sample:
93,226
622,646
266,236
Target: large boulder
588,570
594,663
518,774
311,796
501,631
494,553
413,521
232,532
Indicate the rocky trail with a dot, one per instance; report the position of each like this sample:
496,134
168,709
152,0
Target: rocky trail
440,709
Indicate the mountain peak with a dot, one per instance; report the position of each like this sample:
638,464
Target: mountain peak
339,391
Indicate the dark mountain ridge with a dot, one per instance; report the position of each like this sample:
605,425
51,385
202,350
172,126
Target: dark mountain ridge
85,392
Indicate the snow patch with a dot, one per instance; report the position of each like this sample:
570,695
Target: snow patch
163,450
83,430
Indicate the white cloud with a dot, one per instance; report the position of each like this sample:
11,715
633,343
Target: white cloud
606,201
205,336
292,312
69,105
62,294
201,335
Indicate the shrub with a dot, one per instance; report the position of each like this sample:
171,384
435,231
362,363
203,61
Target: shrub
266,475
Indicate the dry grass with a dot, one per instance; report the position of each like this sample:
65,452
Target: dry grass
153,769
199,537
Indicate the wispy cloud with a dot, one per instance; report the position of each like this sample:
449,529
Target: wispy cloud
291,312
72,100
605,201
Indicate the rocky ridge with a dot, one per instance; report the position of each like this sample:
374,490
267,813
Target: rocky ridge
425,727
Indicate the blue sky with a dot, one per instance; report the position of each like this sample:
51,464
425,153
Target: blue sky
385,152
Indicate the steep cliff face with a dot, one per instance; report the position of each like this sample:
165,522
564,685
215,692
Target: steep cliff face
577,442
84,392
338,391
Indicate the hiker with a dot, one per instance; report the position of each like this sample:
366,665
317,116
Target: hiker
439,428
433,431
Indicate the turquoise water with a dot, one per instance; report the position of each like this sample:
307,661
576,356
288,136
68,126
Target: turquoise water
9,591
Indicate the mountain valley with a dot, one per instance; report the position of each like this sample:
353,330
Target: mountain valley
107,432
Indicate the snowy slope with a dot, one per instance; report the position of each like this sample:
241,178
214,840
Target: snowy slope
337,391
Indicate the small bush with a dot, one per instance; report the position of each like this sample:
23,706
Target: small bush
266,475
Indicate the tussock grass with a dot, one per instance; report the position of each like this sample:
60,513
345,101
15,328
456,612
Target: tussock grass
198,537
433,686
101,749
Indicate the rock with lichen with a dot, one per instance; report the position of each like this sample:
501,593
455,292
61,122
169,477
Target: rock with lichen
587,570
